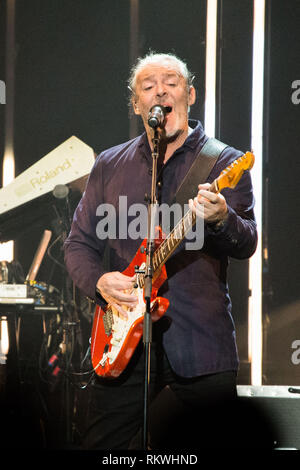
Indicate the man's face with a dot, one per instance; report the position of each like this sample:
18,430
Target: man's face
164,85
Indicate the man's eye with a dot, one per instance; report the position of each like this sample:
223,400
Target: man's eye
172,84
147,88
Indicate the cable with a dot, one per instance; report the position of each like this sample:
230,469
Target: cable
62,266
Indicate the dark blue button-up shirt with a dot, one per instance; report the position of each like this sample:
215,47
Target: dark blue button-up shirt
201,335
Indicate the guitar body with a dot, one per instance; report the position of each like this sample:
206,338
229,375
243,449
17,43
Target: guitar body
115,339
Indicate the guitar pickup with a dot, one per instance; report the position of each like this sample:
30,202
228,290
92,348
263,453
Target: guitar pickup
108,321
137,270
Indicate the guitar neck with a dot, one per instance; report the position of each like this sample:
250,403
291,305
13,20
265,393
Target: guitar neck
173,240
175,237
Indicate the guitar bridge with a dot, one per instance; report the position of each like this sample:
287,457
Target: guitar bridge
108,321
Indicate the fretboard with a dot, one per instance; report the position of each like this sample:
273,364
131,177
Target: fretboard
173,240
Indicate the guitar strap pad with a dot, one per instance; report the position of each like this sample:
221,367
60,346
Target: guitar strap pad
200,170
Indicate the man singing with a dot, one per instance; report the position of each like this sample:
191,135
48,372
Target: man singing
194,359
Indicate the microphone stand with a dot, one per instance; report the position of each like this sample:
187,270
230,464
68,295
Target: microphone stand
70,321
147,325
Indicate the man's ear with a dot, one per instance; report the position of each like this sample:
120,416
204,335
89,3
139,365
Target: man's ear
135,106
192,95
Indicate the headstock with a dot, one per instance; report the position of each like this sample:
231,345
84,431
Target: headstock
232,174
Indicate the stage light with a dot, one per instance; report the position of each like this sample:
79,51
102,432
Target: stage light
210,67
4,342
255,262
7,249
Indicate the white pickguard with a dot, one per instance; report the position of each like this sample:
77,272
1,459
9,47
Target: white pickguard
121,326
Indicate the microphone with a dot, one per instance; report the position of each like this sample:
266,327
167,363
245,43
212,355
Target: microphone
61,193
157,114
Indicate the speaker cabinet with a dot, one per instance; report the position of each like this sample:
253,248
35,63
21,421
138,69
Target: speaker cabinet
271,415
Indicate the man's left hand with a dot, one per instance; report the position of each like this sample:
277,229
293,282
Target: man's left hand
209,206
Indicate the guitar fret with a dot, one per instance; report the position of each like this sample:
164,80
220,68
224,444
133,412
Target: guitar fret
187,223
174,238
192,217
178,232
159,255
169,244
154,261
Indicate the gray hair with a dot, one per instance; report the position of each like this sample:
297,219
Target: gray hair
154,58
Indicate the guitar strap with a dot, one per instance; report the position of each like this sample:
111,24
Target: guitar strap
200,170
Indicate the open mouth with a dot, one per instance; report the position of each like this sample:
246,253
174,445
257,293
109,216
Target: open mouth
168,109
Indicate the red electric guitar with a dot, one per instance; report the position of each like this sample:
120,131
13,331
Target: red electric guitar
114,339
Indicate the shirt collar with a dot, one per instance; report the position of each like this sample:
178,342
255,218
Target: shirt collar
191,141
197,134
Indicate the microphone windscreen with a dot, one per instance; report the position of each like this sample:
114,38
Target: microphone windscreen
60,191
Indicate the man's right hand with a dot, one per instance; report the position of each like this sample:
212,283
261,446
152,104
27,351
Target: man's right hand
117,290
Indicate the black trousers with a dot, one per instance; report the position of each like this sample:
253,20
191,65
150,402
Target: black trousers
184,413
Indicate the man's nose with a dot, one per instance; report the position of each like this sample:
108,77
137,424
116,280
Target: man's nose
161,90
